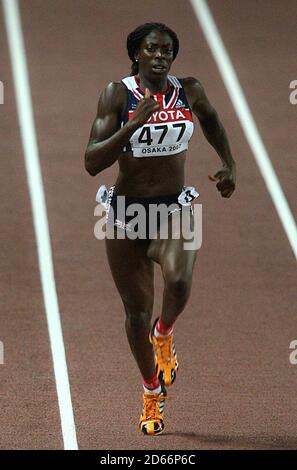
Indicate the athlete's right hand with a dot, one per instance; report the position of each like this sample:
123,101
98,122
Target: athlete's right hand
144,110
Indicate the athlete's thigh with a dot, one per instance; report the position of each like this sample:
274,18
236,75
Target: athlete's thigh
132,271
176,262
175,252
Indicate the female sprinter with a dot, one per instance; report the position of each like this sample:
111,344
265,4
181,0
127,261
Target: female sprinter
144,122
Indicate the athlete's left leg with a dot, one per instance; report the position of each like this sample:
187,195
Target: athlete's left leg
177,264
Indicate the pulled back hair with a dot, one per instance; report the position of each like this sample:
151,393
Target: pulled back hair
135,38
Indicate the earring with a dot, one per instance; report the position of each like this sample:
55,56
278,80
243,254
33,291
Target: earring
136,60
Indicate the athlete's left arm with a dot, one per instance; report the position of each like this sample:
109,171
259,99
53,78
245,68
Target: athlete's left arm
214,132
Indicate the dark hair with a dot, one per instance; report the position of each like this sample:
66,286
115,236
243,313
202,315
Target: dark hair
135,38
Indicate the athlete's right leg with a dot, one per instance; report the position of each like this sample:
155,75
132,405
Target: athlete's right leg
133,273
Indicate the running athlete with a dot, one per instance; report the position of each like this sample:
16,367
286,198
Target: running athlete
145,123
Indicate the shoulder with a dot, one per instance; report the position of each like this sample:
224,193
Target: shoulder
194,91
113,91
113,97
192,86
197,98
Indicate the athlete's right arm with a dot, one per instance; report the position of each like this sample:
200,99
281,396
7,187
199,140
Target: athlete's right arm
107,139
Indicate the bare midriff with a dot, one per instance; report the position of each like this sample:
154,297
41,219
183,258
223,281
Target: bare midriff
150,176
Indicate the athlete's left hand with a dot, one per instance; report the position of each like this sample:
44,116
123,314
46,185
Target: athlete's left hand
226,181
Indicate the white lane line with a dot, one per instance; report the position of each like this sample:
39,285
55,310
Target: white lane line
28,135
246,119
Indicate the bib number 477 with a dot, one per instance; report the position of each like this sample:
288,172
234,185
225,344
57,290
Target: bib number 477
145,137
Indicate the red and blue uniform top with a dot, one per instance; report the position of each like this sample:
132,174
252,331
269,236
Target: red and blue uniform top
168,130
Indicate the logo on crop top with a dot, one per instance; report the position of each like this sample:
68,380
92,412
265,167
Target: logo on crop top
179,104
168,115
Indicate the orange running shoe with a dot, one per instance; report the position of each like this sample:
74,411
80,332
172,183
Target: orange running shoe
165,357
151,419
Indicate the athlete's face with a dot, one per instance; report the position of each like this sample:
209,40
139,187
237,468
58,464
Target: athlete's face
155,54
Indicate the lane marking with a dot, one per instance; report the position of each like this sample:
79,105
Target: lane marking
246,119
29,141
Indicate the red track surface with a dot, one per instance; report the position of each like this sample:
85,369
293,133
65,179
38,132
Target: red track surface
236,388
